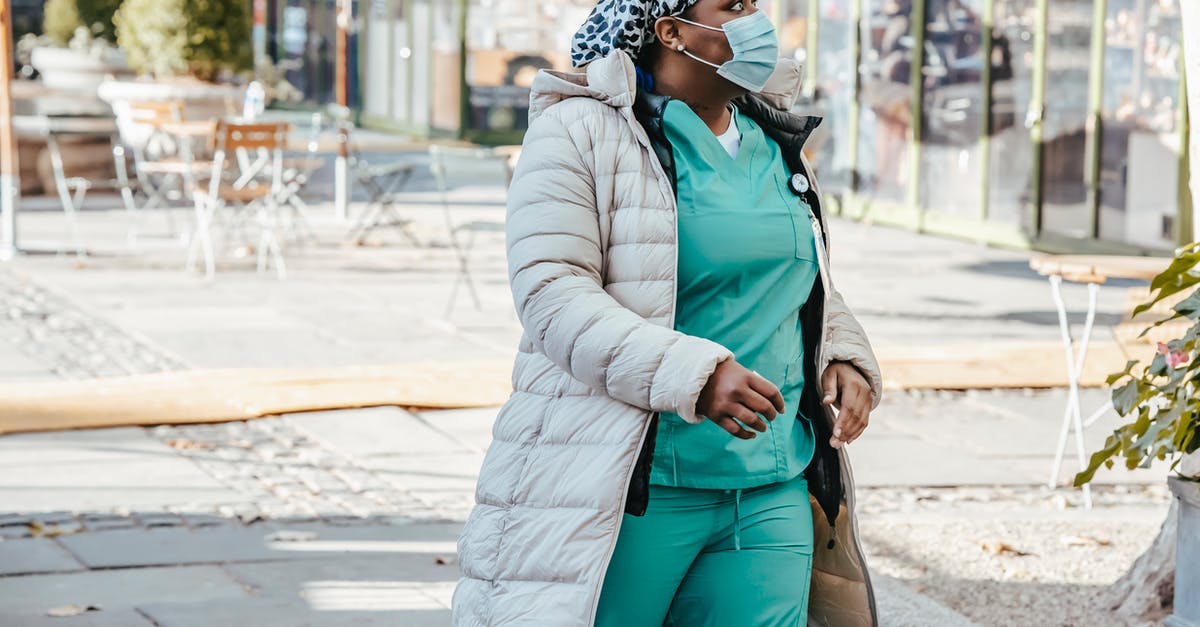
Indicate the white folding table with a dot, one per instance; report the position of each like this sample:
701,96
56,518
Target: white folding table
1094,271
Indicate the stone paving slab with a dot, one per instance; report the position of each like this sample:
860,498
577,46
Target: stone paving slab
325,608
422,473
102,618
472,426
99,470
117,589
275,579
127,548
17,366
363,433
27,556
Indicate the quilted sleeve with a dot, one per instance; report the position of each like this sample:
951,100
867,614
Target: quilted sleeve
555,261
847,341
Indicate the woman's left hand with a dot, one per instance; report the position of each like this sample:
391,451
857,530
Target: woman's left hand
848,391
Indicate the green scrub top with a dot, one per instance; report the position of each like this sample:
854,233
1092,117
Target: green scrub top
747,264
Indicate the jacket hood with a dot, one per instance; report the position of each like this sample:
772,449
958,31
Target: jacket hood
613,81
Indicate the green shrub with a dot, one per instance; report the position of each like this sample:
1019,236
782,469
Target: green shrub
178,37
60,21
97,15
62,17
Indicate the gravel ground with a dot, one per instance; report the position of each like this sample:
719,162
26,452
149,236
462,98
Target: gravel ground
1027,560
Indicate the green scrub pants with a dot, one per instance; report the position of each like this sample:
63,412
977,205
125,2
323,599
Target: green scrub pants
704,557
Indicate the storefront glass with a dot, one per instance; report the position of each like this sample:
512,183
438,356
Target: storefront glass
508,41
1065,209
834,96
305,46
1010,173
951,179
792,26
885,116
1139,174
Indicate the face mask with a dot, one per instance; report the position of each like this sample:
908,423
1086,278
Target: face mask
755,50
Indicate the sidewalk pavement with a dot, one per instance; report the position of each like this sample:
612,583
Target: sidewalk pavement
350,517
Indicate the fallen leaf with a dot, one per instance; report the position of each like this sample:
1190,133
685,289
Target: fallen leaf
1070,540
72,610
183,445
996,547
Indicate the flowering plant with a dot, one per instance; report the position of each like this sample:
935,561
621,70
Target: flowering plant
1163,398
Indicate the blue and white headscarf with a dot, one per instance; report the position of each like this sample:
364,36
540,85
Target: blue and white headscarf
621,25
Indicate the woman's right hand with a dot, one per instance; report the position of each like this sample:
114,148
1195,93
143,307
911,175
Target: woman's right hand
736,395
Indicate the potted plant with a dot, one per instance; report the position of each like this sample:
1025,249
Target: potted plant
184,50
78,48
1162,400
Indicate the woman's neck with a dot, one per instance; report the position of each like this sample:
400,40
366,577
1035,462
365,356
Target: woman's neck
713,109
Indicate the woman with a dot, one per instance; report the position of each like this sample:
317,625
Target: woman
668,426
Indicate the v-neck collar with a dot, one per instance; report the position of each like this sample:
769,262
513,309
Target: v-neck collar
700,138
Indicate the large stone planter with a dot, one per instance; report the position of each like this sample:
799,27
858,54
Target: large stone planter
1187,556
67,68
201,101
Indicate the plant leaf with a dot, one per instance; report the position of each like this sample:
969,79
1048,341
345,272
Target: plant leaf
1125,397
1174,279
1098,458
1189,306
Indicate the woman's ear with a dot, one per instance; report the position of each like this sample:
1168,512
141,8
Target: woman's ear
666,30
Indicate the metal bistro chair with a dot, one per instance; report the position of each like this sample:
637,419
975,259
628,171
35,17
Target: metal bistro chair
164,167
256,150
383,184
297,173
453,164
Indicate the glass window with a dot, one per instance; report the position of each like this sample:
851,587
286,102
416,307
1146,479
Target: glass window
447,83
885,118
508,41
952,107
1010,177
834,94
1139,166
1068,60
792,26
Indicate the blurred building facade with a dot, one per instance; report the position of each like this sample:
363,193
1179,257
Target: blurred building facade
1052,124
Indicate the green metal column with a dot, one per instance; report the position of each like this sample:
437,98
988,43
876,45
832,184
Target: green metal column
856,17
1095,120
985,125
1187,207
464,96
916,80
812,37
1037,112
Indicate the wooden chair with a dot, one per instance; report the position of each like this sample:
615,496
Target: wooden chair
247,173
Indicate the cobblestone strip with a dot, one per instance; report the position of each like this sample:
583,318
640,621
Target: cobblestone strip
280,473
71,342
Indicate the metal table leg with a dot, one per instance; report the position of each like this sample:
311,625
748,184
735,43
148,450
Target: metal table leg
1072,416
71,203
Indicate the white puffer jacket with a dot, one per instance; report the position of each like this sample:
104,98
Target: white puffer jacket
592,262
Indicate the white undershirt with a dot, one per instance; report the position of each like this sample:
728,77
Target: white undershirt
731,139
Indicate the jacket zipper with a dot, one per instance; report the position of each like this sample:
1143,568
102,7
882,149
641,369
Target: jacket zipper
660,175
842,455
